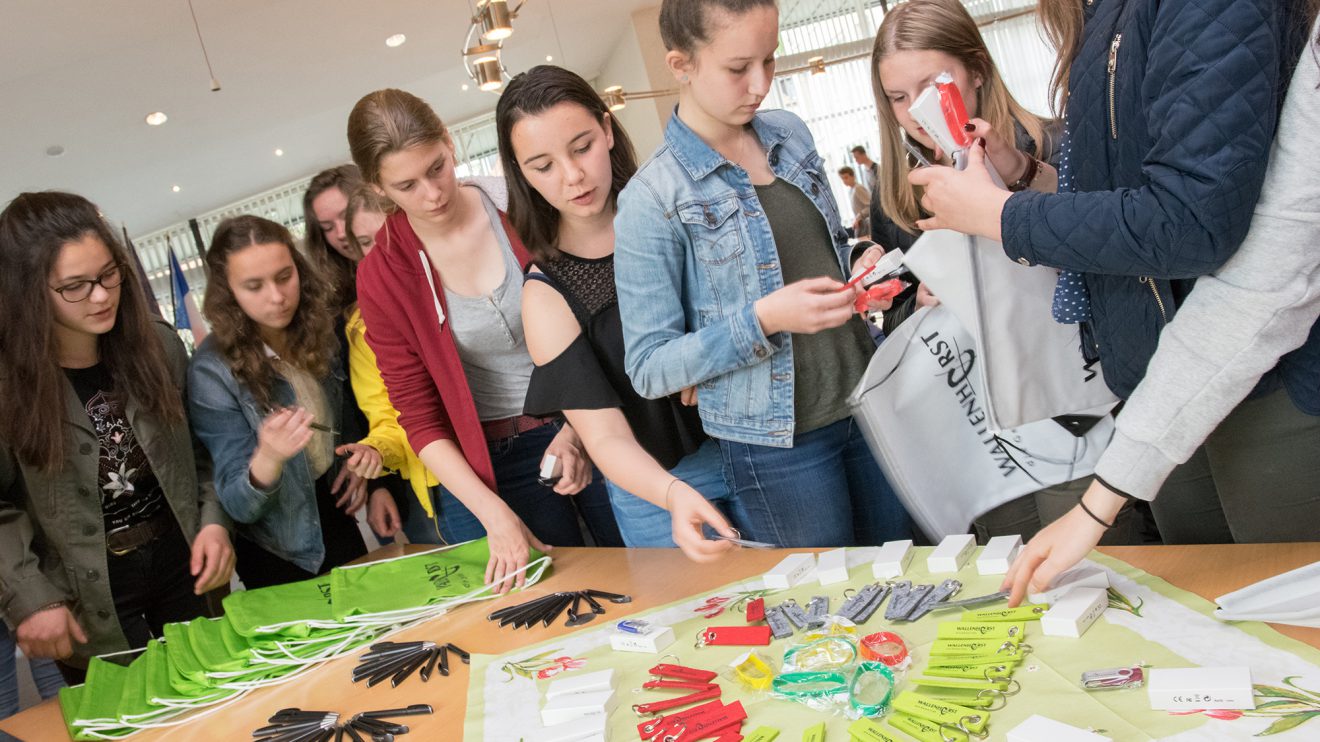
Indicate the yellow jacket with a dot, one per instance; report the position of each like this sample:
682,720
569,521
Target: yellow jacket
385,434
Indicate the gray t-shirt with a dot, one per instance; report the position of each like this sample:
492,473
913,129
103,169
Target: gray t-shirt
828,364
488,331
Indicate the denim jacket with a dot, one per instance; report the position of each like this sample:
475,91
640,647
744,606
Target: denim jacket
282,519
693,251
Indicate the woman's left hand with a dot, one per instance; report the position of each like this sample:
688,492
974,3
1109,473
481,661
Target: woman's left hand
967,201
212,558
1007,159
353,489
363,460
567,446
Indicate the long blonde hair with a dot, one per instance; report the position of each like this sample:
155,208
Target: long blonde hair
943,26
1062,23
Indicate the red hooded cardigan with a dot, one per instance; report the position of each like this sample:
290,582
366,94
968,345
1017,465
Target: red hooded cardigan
415,348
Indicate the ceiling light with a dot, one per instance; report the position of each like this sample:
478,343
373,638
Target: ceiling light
488,74
614,98
156,118
279,152
817,65
549,58
55,150
176,189
465,87
395,40
496,21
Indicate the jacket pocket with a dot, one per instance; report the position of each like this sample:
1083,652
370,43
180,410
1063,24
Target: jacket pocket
715,235
1112,77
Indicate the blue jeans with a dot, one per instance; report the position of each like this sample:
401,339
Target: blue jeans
44,673
644,525
552,517
826,490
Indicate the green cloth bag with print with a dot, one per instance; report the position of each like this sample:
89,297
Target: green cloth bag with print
404,587
290,610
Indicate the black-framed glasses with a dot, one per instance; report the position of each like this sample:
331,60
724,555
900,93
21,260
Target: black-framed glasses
76,291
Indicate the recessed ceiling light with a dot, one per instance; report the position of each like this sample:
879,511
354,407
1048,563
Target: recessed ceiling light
156,118
176,189
395,40
279,152
55,150
465,86
549,58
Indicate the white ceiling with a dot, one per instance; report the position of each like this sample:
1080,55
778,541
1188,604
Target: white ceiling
83,74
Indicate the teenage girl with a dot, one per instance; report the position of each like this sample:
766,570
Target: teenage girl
730,262
109,525
565,160
265,391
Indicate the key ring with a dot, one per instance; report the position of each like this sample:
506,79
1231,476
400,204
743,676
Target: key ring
993,694
959,727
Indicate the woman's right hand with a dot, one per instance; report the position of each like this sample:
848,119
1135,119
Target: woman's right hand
1061,544
806,307
925,298
688,512
509,540
50,633
284,433
1009,161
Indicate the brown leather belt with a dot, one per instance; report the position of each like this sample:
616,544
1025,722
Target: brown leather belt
130,539
498,430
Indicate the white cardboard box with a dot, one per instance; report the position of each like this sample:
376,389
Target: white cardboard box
577,730
577,705
1083,576
1041,729
654,640
832,566
788,573
1074,613
1192,688
952,553
998,555
581,683
892,560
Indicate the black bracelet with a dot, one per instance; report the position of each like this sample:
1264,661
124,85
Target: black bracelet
1024,182
1094,517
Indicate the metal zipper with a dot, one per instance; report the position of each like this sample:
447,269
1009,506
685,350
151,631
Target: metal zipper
1158,301
1113,67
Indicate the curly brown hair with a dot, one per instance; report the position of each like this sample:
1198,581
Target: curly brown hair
311,341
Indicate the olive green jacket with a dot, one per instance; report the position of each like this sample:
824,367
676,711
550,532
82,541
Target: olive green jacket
52,530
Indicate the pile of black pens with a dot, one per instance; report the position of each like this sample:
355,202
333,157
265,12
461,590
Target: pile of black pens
296,725
546,609
397,660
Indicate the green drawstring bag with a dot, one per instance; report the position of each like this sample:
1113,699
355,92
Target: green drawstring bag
416,585
217,647
91,712
292,610
186,672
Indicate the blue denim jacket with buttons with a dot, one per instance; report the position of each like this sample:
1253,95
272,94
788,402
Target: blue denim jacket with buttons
283,518
693,251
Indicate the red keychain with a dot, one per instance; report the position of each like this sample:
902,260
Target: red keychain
733,636
726,719
688,684
645,709
756,610
652,728
879,292
664,670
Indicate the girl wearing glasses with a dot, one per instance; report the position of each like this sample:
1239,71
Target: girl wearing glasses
109,525
265,391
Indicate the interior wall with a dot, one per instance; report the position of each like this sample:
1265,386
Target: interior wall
637,63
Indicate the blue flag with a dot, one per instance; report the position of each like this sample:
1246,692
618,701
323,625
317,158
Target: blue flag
180,292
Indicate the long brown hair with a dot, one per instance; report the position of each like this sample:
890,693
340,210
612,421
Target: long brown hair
528,94
34,227
337,268
944,26
388,121
684,24
1062,23
311,340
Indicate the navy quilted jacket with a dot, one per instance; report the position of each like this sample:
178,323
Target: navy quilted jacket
1172,111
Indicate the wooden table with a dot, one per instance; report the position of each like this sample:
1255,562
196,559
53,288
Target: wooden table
653,577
